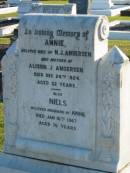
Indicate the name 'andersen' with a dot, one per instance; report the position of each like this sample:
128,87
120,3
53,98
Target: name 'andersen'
73,53
57,68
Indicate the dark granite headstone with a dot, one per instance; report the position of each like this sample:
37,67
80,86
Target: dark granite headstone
82,5
125,13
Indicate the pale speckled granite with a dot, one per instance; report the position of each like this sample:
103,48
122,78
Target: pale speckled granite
37,7
16,164
95,137
101,4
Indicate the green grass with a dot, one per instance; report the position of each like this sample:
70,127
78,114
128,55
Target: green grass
4,40
124,45
1,127
4,16
118,18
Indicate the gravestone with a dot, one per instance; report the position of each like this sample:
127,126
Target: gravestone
66,98
102,7
13,2
17,2
121,2
55,9
82,5
101,4
107,7
125,13
32,7
25,6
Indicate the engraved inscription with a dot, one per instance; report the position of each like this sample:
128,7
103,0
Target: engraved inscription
57,81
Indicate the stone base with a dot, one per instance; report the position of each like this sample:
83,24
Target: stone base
16,164
115,10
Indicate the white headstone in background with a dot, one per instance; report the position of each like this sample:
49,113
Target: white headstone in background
26,7
65,97
29,7
13,2
101,4
106,7
121,2
54,9
17,2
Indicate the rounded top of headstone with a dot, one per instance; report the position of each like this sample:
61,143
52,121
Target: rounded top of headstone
104,29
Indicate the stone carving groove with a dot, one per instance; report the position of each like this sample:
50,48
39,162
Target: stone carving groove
107,105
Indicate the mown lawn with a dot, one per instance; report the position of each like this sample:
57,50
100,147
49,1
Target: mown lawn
4,16
118,18
124,45
5,40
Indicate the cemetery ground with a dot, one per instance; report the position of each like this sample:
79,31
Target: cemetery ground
124,45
